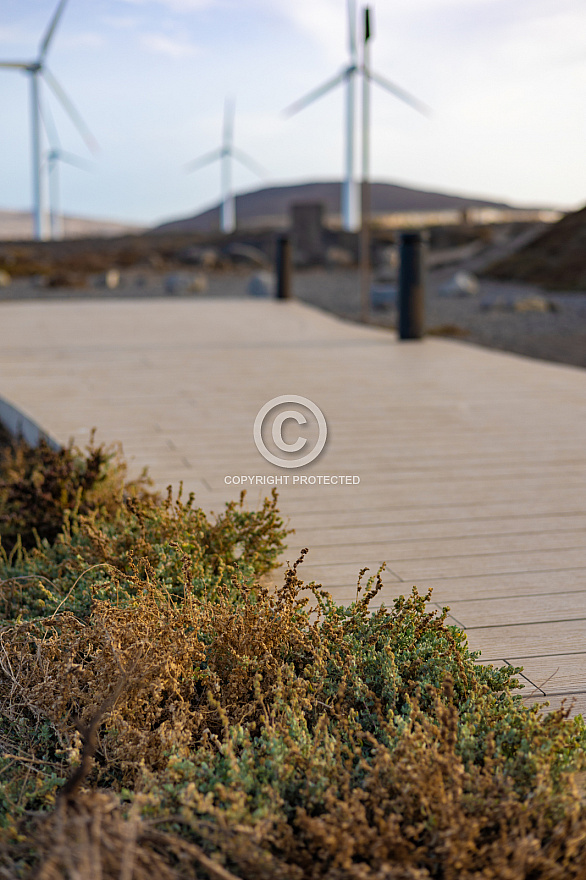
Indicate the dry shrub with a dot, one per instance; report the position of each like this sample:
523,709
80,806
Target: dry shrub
39,484
267,737
91,837
175,655
101,554
164,714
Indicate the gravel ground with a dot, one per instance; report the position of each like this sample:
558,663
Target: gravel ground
557,335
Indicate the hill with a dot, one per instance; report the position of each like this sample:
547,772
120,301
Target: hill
557,259
18,226
270,206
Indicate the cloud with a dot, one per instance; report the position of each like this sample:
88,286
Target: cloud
81,40
324,21
175,5
20,33
120,22
10,34
172,47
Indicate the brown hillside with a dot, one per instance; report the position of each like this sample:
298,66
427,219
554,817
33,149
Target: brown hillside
18,226
557,259
276,201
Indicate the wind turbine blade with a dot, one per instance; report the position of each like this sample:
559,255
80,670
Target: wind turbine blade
204,160
317,93
400,93
51,29
244,159
70,110
228,129
74,160
15,65
49,125
352,29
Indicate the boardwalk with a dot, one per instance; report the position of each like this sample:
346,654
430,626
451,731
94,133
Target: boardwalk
472,463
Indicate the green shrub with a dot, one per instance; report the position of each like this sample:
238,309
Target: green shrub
74,529
167,712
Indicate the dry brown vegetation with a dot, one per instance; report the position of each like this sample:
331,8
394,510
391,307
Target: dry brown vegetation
555,260
72,261
166,715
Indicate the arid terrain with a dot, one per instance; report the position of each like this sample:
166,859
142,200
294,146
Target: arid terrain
554,335
18,225
500,309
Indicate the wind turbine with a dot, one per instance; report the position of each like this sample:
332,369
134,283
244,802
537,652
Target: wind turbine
225,154
54,155
37,69
350,211
350,220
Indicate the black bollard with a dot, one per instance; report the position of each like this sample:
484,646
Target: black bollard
411,286
284,275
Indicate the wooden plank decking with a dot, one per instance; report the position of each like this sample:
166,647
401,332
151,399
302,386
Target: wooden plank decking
472,463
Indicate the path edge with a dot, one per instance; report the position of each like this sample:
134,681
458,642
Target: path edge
21,426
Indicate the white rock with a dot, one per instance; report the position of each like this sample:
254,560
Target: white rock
262,284
512,303
112,279
198,284
175,283
462,284
534,304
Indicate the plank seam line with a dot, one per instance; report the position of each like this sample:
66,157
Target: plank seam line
456,577
388,541
521,596
534,657
526,623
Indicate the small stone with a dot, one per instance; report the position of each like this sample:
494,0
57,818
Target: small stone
338,256
383,296
206,257
198,284
387,264
112,279
519,304
263,284
462,284
175,283
535,303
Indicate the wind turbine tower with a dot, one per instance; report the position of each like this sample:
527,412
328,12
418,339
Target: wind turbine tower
36,70
349,196
355,67
225,154
368,76
53,157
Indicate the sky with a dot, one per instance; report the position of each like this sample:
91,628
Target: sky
506,81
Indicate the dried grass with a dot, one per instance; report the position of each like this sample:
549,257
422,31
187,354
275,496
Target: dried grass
165,715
